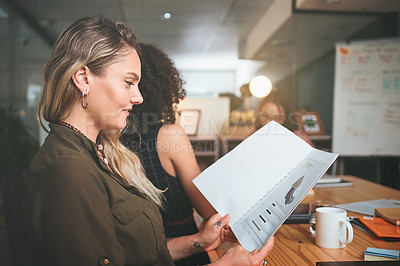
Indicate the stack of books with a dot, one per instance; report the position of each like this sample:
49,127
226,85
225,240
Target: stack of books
381,254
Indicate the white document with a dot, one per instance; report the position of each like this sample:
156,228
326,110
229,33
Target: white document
261,181
368,207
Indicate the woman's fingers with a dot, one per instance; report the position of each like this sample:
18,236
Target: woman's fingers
219,222
239,256
254,252
230,239
215,217
229,235
264,251
223,221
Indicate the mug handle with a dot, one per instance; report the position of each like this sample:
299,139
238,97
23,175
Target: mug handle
310,225
350,236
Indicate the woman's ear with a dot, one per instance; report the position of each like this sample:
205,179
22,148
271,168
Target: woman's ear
81,79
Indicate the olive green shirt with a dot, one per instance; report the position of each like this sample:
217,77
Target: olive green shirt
76,212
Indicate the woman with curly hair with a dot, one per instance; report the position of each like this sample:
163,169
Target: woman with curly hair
163,146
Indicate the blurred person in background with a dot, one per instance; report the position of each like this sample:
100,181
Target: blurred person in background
276,106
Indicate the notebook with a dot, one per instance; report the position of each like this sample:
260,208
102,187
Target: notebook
380,227
391,215
340,183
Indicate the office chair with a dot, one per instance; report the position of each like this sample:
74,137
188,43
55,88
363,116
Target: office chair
22,254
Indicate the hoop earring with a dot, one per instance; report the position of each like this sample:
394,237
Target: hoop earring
84,101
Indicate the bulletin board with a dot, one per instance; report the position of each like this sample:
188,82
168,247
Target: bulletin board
366,116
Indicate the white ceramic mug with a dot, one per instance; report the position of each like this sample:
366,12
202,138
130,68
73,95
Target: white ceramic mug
330,228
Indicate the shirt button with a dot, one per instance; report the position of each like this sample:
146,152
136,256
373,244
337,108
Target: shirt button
106,261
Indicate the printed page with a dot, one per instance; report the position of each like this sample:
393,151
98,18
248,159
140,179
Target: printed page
259,224
237,181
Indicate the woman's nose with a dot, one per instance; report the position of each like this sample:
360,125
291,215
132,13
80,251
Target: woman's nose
137,98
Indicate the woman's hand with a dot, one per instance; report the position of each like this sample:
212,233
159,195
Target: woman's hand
240,257
215,231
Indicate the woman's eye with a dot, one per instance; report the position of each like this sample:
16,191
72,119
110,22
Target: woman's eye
129,82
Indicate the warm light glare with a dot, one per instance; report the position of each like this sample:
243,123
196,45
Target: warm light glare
260,86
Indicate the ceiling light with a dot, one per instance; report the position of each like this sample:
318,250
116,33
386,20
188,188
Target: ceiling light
167,15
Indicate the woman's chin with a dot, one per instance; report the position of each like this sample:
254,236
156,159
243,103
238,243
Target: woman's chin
122,124
117,126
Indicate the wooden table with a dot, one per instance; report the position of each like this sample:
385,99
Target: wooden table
294,244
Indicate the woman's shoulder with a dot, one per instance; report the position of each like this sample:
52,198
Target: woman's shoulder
58,147
172,132
60,165
172,128
62,179
57,158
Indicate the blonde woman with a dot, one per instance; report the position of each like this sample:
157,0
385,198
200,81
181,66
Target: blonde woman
84,197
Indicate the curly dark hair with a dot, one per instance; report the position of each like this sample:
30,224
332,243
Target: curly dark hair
160,85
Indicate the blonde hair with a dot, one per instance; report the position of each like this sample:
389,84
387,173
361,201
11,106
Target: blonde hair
95,42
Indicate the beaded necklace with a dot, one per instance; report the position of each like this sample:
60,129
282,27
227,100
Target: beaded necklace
99,147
